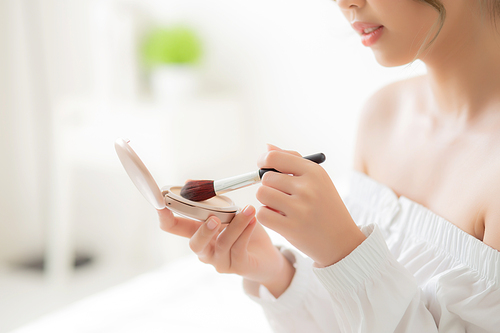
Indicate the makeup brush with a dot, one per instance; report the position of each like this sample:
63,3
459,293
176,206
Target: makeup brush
199,190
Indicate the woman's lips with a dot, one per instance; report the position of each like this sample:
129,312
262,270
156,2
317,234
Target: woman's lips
370,32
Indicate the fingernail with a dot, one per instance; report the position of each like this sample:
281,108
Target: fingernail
211,224
249,210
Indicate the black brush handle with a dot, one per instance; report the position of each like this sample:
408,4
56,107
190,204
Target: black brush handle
316,158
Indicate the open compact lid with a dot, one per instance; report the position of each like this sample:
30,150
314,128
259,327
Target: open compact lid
139,174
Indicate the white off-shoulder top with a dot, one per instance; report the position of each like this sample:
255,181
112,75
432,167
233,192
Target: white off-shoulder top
415,272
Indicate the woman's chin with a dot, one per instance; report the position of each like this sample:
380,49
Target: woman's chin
387,59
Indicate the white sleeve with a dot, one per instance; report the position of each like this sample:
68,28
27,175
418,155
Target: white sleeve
371,292
368,291
304,307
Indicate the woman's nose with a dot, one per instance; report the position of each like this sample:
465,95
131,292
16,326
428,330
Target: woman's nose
348,4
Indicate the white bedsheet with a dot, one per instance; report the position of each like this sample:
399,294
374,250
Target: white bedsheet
184,296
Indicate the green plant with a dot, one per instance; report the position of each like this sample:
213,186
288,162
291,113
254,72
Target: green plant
173,45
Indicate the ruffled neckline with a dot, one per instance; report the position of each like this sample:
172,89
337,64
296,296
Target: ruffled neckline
418,221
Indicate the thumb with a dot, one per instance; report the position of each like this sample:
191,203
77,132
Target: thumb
272,147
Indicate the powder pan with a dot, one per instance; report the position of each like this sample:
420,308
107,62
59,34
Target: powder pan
219,206
169,196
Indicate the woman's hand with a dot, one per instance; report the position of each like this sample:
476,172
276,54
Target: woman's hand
242,247
302,204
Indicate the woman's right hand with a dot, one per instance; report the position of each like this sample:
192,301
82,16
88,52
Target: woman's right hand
241,247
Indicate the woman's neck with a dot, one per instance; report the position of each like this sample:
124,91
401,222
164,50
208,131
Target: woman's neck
465,78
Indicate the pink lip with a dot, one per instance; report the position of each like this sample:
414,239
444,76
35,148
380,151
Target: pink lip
370,38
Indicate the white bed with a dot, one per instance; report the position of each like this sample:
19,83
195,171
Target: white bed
183,296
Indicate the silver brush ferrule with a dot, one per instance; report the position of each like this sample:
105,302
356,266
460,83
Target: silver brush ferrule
236,182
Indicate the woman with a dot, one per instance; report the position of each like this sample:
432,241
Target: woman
417,248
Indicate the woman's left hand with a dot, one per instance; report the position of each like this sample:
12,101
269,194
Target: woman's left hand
302,204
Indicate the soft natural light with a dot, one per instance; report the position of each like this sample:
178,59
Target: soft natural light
291,73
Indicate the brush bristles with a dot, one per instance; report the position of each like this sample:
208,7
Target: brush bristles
198,190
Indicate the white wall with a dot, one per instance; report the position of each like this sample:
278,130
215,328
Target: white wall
22,129
288,72
301,69
295,72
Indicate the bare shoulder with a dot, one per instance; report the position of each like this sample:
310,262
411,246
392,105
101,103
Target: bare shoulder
379,116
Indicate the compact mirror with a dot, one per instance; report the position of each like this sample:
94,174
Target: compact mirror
169,196
139,174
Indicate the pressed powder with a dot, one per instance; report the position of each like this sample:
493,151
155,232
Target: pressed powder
215,202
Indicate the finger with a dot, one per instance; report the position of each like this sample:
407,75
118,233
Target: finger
271,219
284,162
240,247
201,240
280,181
274,199
233,231
177,225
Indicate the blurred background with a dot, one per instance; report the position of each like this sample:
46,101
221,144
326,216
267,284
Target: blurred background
199,87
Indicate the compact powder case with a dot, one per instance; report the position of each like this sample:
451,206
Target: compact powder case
169,196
